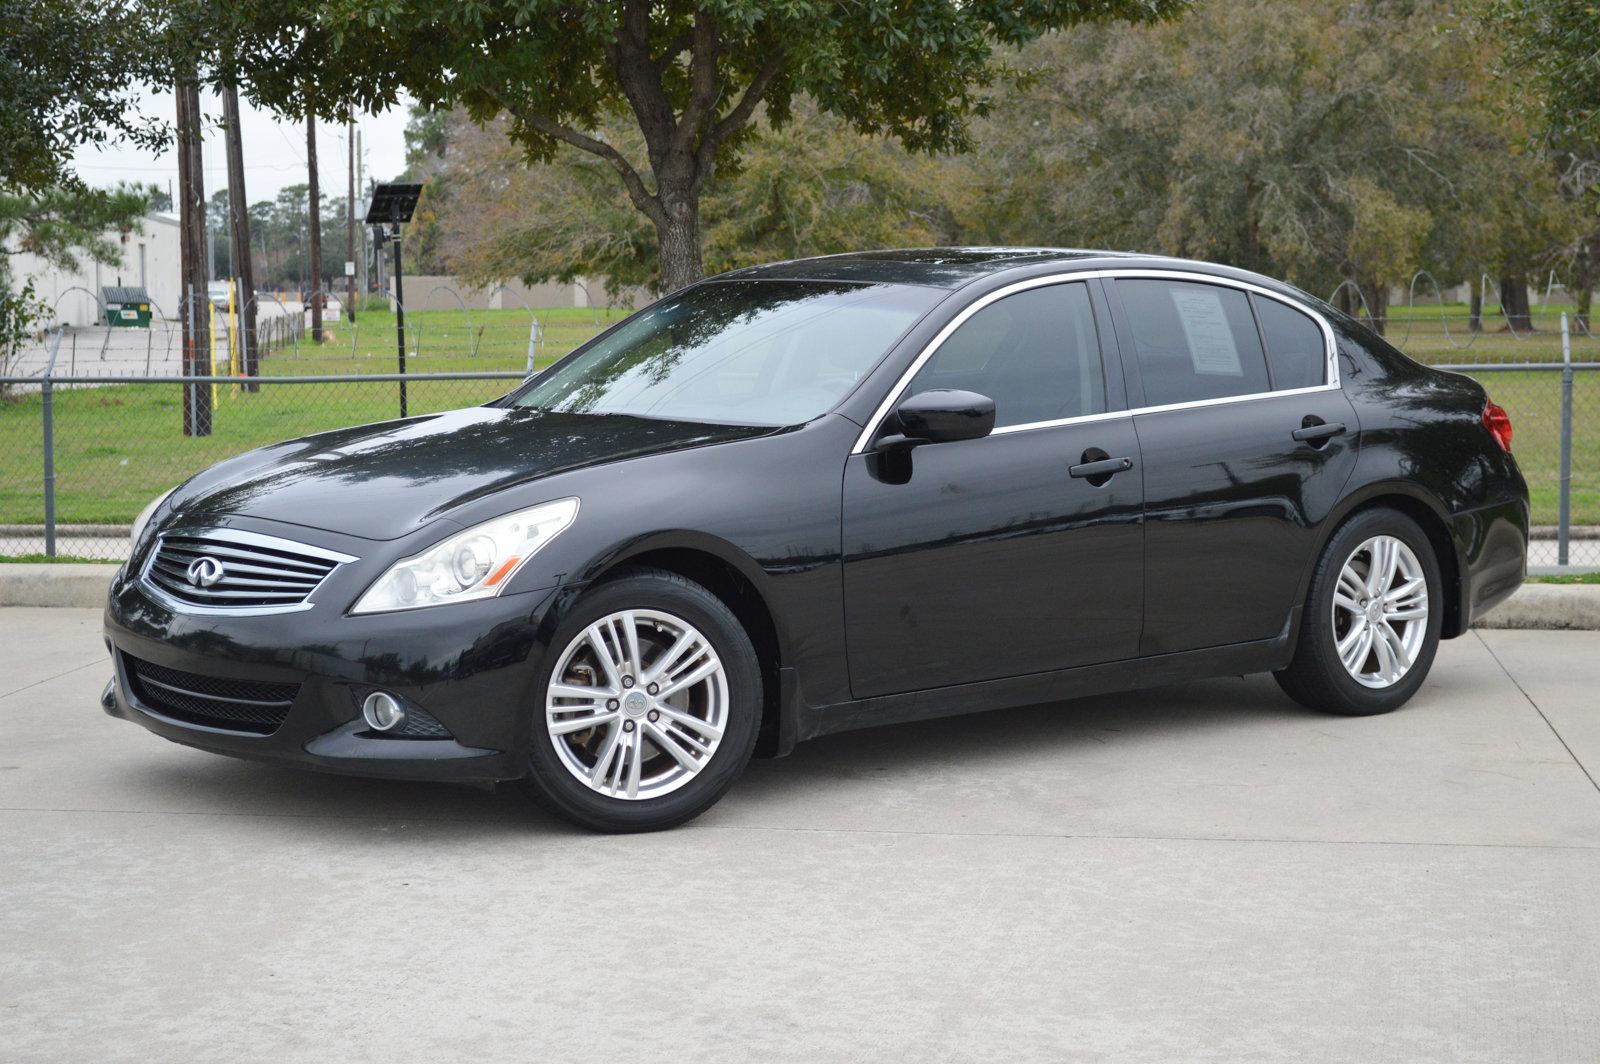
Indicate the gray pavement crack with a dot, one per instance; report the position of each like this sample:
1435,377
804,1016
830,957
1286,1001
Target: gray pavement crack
1576,760
57,676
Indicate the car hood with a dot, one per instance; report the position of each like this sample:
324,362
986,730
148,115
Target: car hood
383,481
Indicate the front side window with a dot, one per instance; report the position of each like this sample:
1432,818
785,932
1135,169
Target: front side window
1295,346
1036,354
738,352
1193,341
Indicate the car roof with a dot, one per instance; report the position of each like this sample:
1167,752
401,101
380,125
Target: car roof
953,267
934,267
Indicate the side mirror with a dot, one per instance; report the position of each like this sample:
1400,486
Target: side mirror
945,415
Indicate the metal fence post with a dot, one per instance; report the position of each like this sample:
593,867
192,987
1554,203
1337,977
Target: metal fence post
47,424
1564,484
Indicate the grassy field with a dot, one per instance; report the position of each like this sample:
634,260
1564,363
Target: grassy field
118,446
440,341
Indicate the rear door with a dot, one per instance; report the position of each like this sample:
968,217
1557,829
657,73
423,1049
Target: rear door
1247,442
991,558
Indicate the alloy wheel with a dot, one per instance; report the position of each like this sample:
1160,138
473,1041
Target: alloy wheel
1380,611
637,704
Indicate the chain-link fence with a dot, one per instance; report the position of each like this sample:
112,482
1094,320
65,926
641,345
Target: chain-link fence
359,336
93,426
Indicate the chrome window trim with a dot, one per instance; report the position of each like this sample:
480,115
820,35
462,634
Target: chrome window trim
1331,369
243,539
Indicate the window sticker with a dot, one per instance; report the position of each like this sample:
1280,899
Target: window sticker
1205,325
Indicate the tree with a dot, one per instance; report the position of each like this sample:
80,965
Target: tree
1549,50
69,73
66,79
812,187
691,75
1550,46
1353,143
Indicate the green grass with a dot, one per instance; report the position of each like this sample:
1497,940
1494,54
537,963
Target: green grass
117,447
14,559
439,341
1435,333
1571,578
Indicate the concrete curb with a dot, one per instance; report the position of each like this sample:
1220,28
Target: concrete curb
1546,606
60,584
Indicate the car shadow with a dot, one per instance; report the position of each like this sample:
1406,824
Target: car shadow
998,736
345,805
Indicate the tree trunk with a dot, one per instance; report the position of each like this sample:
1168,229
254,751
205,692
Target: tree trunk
679,235
314,228
1377,305
239,252
1514,303
195,305
1584,267
1475,310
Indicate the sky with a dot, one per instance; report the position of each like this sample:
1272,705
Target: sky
274,151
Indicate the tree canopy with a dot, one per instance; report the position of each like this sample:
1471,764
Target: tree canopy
69,72
1550,47
812,187
68,78
689,76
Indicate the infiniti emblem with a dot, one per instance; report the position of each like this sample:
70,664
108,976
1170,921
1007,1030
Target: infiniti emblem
203,572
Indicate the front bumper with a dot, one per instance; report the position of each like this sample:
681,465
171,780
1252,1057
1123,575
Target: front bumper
471,666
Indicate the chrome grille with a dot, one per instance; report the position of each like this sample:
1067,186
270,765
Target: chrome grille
228,569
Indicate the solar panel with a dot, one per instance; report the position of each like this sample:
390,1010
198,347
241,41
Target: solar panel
392,204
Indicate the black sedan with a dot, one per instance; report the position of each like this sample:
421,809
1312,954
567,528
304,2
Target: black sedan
822,495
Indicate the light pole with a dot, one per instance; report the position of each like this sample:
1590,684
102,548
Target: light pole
391,207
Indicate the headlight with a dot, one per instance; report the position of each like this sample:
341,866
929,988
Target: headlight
474,564
142,522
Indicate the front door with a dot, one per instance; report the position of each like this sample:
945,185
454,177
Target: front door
1001,556
1246,447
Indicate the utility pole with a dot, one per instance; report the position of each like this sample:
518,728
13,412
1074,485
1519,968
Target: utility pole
361,267
314,226
239,217
196,308
350,220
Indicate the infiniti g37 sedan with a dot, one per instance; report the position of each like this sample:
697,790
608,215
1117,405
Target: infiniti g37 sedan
821,495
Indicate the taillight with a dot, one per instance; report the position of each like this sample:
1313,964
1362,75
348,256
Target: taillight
1498,422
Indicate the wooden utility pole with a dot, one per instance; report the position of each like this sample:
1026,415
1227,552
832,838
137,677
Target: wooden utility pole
350,220
239,232
314,227
195,312
366,241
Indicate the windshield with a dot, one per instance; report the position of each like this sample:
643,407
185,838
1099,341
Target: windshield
740,352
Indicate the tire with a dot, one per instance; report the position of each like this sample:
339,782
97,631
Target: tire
1317,677
634,727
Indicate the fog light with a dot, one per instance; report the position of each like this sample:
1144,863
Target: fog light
382,711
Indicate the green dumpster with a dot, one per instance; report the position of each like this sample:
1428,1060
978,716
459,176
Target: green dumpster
127,306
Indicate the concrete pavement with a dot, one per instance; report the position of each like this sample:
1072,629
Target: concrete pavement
1202,872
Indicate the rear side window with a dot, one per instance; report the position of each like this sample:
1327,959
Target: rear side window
1295,346
1193,341
1036,354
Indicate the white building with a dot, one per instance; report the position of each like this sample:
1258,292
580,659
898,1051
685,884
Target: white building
150,259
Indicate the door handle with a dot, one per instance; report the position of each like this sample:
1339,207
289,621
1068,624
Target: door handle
1318,432
1105,467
